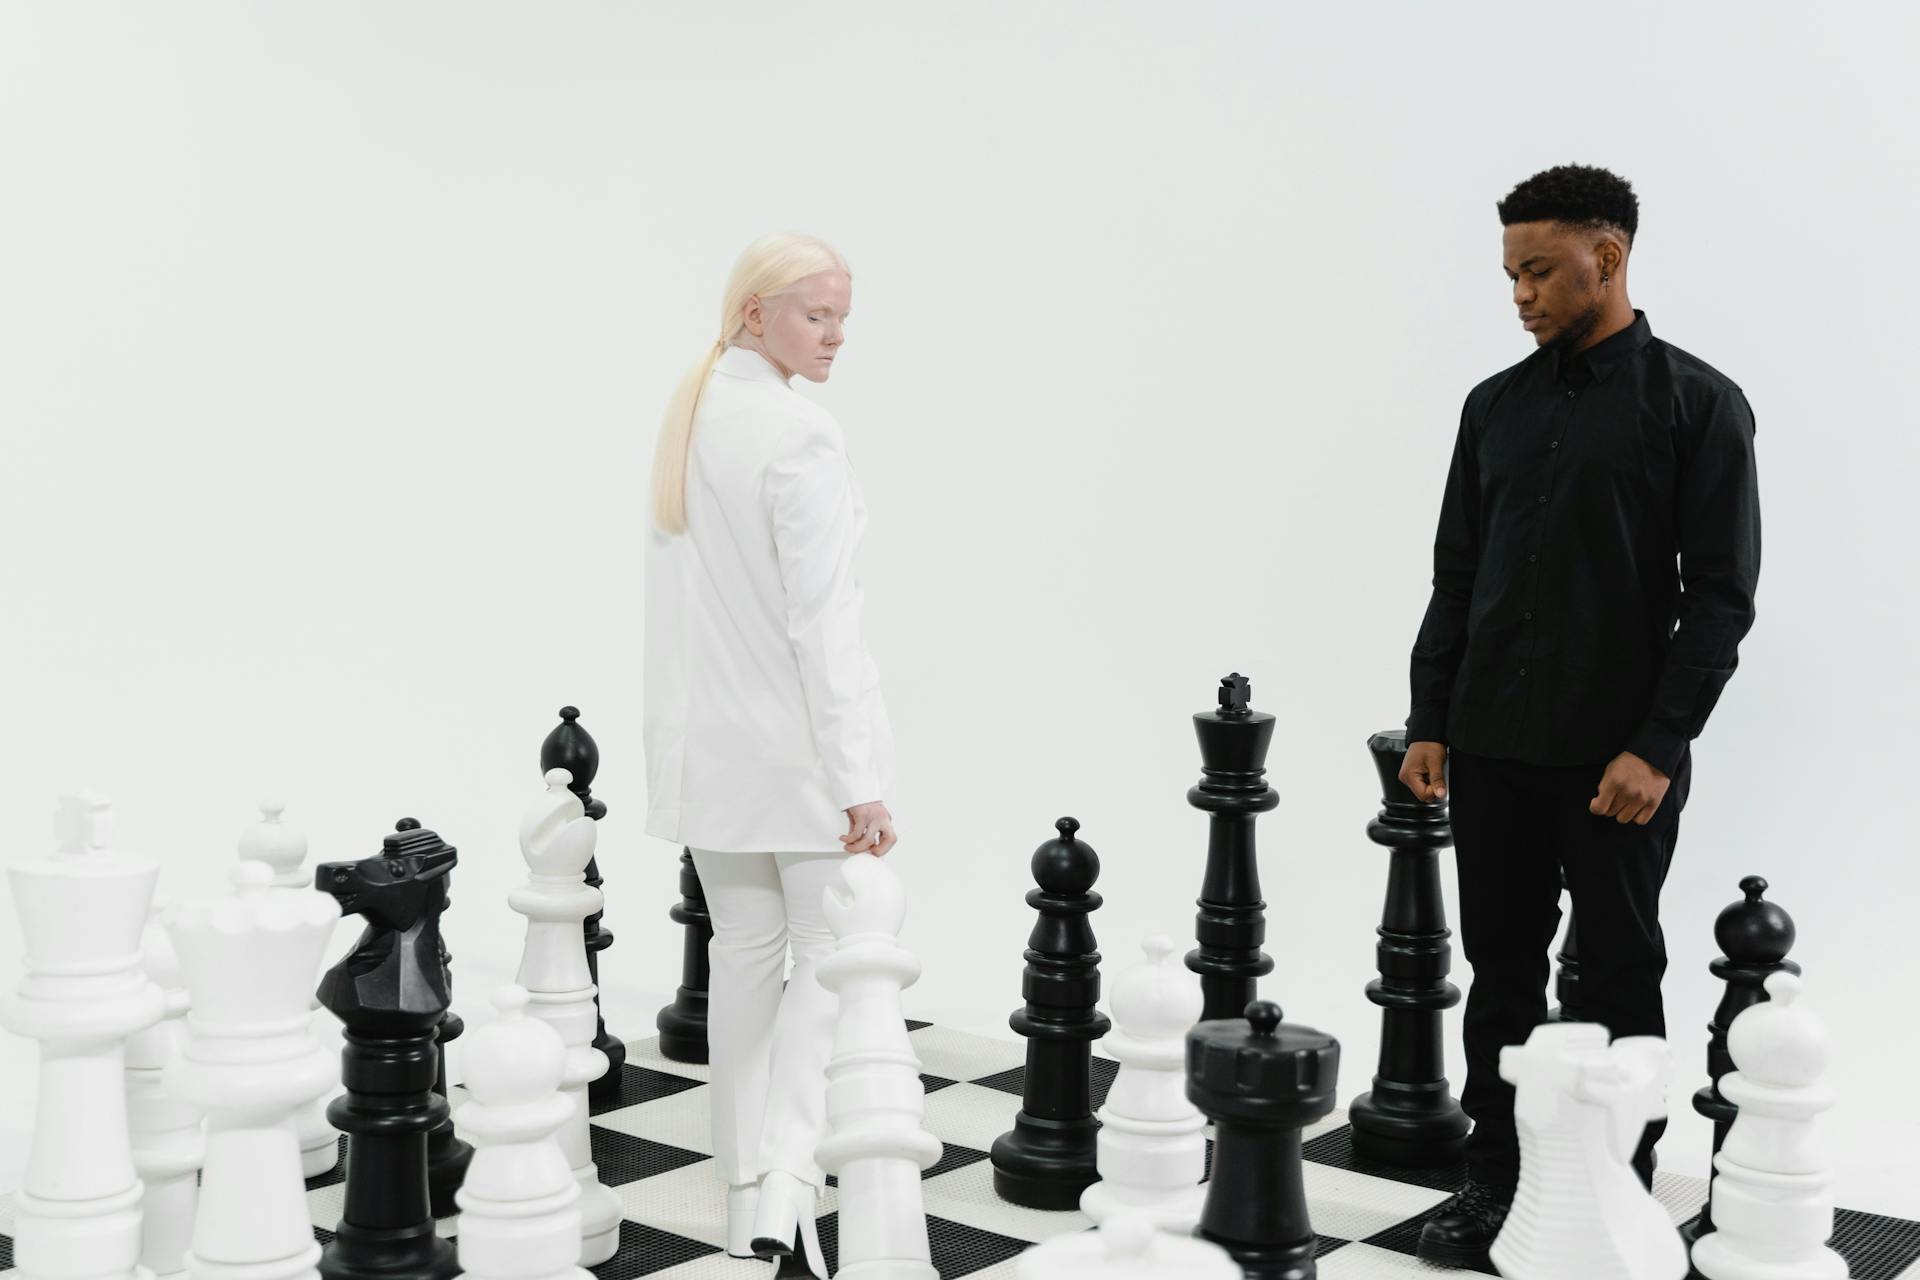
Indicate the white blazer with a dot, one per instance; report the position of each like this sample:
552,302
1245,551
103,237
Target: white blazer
763,715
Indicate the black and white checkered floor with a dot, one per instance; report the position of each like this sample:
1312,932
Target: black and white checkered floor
653,1147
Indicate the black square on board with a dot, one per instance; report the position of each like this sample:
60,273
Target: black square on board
644,1250
638,1085
623,1158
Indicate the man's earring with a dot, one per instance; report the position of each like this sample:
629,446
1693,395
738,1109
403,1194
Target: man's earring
1604,278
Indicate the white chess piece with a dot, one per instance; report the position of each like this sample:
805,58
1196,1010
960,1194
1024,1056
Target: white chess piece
1773,1200
1152,1146
1126,1247
251,1063
81,912
875,1141
284,849
1581,1106
557,839
520,1203
165,1129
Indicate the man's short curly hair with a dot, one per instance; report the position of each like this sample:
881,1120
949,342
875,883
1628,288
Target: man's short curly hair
1576,194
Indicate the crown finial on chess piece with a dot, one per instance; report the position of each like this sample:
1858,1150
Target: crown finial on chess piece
1264,1016
1065,865
558,779
82,821
569,713
407,824
1754,931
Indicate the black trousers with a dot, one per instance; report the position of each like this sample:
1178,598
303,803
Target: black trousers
1516,828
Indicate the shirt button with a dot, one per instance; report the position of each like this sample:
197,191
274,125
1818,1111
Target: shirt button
1523,671
1543,499
1569,395
1531,559
1554,445
1528,615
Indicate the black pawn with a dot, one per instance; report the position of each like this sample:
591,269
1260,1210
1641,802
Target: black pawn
1047,1159
1409,1117
683,1024
448,1155
1260,1081
572,748
1232,921
1566,979
390,993
1754,937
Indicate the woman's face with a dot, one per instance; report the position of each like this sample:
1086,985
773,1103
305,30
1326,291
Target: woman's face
801,329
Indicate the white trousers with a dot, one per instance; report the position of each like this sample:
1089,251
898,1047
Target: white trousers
768,1049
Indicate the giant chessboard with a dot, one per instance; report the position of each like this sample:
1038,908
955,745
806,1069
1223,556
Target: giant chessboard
653,1147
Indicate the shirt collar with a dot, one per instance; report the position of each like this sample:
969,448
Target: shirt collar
745,362
1603,357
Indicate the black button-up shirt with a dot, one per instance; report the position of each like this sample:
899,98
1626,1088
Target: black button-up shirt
1578,480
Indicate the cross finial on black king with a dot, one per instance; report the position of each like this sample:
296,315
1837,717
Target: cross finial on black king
1235,690
569,746
1232,921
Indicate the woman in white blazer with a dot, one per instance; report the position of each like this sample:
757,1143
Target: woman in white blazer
767,743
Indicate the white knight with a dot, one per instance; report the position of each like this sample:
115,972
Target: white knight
1581,1106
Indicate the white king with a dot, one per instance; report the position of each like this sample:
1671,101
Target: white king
81,911
251,961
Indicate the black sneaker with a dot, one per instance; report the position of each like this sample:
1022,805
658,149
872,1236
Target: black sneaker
1462,1230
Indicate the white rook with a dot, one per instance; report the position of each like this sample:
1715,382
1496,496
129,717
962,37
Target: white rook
81,908
1152,1146
1581,1106
557,839
1773,1200
251,960
875,1143
520,1204
165,1128
284,849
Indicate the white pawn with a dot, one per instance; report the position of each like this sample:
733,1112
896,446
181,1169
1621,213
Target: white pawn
251,1063
1126,1247
1152,1146
520,1204
1773,1200
164,1128
875,1142
81,910
1581,1106
557,839
284,849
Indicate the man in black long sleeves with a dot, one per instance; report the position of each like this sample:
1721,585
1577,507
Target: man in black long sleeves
1565,661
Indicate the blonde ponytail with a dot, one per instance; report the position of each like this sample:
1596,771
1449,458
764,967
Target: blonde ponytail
770,265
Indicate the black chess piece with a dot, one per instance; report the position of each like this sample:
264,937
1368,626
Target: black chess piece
569,746
1232,921
1047,1159
683,1024
448,1154
1260,1081
1754,937
1408,1117
1566,977
390,993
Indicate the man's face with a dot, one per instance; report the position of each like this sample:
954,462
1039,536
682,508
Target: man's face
805,325
1555,271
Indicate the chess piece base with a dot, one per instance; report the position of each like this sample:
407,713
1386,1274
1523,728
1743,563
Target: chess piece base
1043,1164
1178,1212
683,1026
1717,1262
1409,1137
362,1253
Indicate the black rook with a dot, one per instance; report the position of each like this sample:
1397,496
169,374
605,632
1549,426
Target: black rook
1232,921
390,993
1409,1117
1260,1081
1047,1159
569,746
1754,937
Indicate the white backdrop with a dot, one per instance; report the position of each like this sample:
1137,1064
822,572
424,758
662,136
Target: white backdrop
336,335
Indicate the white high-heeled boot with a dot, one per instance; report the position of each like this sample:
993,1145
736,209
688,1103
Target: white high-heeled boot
742,1204
786,1206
